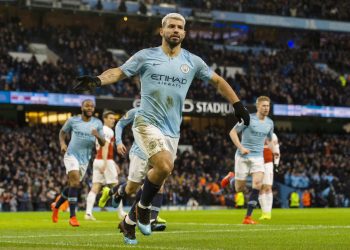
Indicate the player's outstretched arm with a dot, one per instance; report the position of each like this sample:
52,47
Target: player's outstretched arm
226,91
89,83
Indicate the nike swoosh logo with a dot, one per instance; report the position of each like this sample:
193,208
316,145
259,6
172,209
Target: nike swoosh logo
155,64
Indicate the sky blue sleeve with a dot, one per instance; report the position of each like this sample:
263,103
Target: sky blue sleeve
67,127
203,71
270,132
100,128
239,127
133,65
122,123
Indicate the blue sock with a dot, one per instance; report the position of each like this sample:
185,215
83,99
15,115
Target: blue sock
253,201
149,191
132,212
156,204
73,200
63,198
117,189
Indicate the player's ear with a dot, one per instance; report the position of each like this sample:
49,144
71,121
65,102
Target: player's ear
161,31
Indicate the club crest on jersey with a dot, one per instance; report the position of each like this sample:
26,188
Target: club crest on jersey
184,68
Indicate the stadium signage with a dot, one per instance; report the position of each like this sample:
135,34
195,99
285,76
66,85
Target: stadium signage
37,98
311,110
197,107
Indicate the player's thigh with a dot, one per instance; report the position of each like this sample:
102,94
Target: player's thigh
172,145
257,165
268,174
242,166
73,167
97,176
137,169
111,173
150,139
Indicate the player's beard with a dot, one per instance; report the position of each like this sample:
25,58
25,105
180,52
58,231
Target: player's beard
86,113
173,43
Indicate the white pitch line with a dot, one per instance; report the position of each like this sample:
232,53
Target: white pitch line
104,245
246,229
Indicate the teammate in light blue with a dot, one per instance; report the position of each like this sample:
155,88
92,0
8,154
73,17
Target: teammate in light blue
249,158
137,172
84,131
166,73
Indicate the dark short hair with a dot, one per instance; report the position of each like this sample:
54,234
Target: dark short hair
106,113
87,100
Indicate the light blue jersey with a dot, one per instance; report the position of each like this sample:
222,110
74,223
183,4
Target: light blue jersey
254,136
164,85
82,141
121,124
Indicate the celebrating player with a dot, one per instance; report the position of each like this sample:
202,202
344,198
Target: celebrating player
249,155
84,130
271,161
104,167
137,172
166,73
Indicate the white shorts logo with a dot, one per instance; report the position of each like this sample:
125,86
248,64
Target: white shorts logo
184,68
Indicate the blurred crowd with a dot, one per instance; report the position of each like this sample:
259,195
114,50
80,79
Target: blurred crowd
328,9
287,75
32,172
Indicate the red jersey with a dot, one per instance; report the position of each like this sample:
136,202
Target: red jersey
268,155
109,137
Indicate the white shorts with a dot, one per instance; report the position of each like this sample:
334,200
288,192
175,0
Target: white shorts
245,166
110,175
151,140
268,174
138,169
71,163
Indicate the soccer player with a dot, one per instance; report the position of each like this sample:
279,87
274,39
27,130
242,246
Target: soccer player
104,167
83,130
271,161
137,172
166,73
249,157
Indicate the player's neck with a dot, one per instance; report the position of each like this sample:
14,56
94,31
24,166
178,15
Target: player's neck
260,116
171,52
85,118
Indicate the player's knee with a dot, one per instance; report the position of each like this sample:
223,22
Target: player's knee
131,189
164,168
74,183
257,184
239,188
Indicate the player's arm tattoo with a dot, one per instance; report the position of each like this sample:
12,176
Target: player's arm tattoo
112,76
224,88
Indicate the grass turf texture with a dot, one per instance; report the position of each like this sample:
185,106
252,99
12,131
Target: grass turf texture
201,230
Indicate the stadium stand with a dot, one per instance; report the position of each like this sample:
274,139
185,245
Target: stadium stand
293,76
32,172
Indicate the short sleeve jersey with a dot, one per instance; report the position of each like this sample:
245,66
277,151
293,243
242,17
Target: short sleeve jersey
82,141
164,85
254,135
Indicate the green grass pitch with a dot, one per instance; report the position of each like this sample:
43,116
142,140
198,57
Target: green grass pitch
200,230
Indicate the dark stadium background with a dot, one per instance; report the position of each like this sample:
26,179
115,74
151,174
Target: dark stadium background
306,68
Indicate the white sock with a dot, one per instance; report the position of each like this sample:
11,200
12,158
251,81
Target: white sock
128,221
262,201
269,202
90,201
